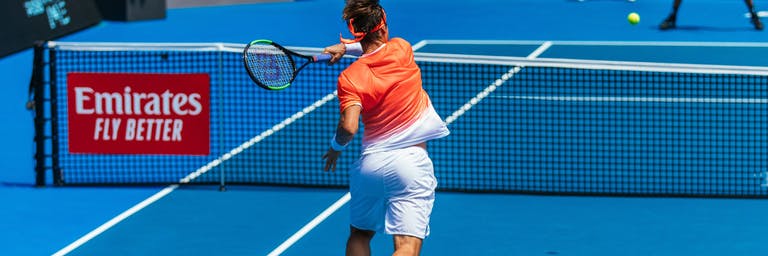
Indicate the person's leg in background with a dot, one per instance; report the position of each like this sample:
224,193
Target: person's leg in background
671,21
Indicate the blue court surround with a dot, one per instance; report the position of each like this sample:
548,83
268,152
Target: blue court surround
253,221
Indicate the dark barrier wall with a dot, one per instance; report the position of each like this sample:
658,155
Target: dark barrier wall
24,21
130,10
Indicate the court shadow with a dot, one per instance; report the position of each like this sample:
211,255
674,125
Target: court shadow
583,1
17,184
248,187
710,28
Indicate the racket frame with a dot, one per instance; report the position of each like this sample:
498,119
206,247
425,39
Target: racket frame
289,53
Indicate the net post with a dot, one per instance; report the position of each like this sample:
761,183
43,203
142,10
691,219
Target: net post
55,167
37,104
222,181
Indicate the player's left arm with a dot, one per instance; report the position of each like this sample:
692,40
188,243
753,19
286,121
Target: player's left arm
345,131
348,124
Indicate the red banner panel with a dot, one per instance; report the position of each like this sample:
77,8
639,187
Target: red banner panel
136,113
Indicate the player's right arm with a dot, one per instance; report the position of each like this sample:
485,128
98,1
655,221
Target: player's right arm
338,50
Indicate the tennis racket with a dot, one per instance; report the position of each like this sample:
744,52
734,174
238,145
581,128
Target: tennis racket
272,66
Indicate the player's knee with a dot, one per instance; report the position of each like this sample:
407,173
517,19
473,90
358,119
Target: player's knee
406,250
359,233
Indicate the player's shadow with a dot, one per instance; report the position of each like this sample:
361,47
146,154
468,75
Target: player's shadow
708,28
582,1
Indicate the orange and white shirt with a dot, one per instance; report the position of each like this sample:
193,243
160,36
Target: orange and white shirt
396,110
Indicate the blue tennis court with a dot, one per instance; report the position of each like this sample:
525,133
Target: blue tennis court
276,220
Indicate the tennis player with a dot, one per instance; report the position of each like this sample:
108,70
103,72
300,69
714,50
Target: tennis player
671,20
393,183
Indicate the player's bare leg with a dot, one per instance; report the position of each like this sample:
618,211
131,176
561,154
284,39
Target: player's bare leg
407,245
755,19
359,242
671,21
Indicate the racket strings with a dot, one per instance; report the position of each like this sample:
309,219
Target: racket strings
270,65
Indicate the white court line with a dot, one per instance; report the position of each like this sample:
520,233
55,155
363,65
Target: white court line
637,99
115,220
488,90
602,43
157,196
418,45
345,198
259,138
311,225
761,14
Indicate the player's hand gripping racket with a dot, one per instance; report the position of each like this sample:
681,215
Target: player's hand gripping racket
272,66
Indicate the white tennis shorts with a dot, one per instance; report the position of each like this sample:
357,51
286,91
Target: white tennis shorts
393,192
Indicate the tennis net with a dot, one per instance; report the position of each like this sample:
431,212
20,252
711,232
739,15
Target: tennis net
551,126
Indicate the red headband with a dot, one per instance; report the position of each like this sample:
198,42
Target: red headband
360,35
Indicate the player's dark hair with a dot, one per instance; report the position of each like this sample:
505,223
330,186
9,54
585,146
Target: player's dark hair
365,16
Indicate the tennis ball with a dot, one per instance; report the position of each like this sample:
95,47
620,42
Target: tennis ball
633,18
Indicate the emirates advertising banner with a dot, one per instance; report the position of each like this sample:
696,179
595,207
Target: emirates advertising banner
138,113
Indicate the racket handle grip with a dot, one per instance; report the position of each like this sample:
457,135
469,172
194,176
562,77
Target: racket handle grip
325,57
